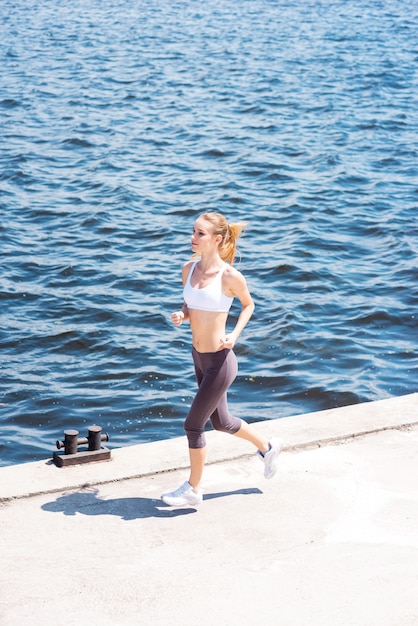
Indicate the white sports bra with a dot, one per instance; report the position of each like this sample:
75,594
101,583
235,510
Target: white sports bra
209,298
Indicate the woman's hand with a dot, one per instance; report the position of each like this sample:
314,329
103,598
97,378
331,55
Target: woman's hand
177,318
227,342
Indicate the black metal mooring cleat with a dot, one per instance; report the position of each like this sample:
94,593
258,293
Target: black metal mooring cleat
94,452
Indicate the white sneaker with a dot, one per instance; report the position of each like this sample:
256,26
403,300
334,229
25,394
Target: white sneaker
270,458
182,496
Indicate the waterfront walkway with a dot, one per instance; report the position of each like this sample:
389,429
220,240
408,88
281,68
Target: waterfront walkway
332,539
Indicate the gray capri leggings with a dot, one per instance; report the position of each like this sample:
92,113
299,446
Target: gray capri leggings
215,372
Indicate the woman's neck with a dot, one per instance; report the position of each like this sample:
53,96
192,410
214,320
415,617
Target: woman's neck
210,262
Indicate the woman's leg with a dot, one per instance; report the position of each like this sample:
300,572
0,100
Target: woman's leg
222,419
214,373
197,465
247,433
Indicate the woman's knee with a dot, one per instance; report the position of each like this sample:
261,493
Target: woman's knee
230,425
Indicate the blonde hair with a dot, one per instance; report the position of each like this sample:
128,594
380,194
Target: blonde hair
228,232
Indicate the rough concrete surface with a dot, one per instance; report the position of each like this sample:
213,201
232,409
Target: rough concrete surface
331,539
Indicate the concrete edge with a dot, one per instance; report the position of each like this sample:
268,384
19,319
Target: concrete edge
140,460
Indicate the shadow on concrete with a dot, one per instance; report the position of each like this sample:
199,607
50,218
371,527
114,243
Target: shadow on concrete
88,502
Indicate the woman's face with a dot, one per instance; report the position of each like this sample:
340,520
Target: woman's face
203,238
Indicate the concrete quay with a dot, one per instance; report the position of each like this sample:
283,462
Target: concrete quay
331,539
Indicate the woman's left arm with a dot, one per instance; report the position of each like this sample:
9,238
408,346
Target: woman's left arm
237,286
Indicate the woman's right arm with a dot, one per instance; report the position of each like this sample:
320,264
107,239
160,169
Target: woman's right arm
178,317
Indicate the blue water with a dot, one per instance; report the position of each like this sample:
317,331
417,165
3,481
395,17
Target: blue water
120,122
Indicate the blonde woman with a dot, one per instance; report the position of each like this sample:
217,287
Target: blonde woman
210,284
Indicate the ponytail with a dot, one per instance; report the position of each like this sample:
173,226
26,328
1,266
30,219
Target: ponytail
228,246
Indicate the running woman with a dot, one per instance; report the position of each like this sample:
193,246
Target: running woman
210,284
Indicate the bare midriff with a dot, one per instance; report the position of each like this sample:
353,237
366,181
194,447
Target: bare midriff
208,329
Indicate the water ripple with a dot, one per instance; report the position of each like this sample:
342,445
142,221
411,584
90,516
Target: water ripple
121,122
